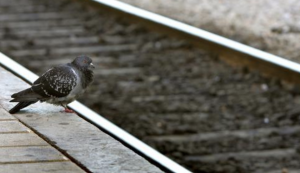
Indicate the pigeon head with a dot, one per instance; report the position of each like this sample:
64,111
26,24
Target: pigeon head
83,62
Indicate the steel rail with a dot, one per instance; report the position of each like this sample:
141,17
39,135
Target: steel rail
262,60
151,154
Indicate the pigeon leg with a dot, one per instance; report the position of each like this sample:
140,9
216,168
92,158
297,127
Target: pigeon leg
67,110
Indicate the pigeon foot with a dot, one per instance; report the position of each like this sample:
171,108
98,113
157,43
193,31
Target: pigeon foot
68,110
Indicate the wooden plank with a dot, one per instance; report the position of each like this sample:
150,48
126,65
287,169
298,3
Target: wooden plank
50,167
117,71
283,170
83,141
21,139
36,16
4,115
285,154
30,154
12,127
74,50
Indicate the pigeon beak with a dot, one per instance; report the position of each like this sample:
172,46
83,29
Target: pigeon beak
92,66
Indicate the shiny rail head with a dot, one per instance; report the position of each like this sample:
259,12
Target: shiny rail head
17,69
208,37
160,160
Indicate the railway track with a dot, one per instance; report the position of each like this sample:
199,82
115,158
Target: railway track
180,99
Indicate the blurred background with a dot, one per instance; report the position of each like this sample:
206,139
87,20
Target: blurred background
178,98
268,25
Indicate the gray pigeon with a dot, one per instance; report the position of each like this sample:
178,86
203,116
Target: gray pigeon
59,85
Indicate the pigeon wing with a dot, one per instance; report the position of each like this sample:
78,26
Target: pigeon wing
56,82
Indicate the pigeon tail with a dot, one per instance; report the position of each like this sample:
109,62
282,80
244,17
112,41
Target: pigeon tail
20,106
26,95
25,98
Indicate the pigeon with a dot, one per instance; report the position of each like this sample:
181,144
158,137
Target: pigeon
59,85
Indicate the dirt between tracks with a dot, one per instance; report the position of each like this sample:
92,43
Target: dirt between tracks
181,100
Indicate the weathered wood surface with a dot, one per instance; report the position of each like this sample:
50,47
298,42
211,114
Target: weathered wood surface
30,154
21,139
12,127
23,151
84,142
4,115
48,167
